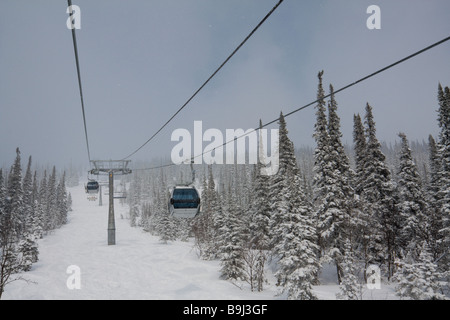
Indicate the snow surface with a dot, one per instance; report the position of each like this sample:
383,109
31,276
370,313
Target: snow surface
139,266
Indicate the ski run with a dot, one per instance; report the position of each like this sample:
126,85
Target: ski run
139,266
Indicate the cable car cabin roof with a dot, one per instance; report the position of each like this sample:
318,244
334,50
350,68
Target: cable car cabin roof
185,192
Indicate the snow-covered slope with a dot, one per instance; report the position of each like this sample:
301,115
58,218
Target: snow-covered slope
139,266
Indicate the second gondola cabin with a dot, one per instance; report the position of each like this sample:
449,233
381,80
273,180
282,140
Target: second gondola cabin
92,187
184,202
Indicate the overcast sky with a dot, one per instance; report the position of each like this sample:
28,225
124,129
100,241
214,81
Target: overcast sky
142,59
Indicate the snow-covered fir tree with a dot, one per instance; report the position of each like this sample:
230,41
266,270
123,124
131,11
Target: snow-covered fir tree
2,195
202,224
28,251
321,160
350,287
418,278
52,204
28,195
14,204
279,193
444,173
231,250
293,233
167,231
432,199
334,195
363,232
214,216
380,194
135,200
206,226
297,251
414,222
360,147
260,208
336,224
61,202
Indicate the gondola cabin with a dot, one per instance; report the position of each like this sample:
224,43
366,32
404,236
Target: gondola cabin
184,202
92,187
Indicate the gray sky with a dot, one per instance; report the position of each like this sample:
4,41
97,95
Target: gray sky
142,59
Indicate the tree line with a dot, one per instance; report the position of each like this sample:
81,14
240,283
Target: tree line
352,211
31,206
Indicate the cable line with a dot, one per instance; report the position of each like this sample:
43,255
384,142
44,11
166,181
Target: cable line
75,48
206,82
316,101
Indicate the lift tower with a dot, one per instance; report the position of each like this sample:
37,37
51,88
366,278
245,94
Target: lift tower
111,168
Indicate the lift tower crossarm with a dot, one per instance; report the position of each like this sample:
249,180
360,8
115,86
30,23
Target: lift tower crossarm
118,167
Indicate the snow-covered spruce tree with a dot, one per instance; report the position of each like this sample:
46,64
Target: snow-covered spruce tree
27,185
206,225
202,222
293,235
418,278
297,250
137,194
363,237
146,213
360,148
69,201
2,195
37,216
321,159
336,224
28,251
43,202
432,199
164,225
37,221
444,173
61,202
231,241
135,200
256,249
167,230
52,204
332,183
279,184
214,218
260,213
10,263
14,204
27,246
381,197
414,223
342,163
159,203
350,287
260,208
